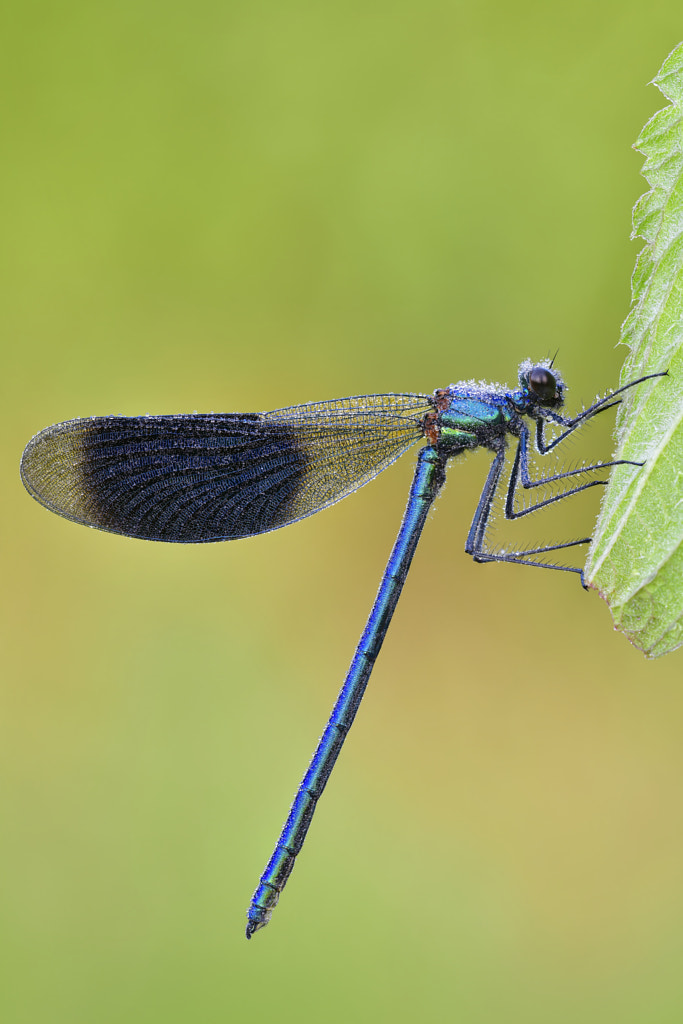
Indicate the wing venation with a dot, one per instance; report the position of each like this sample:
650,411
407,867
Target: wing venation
199,478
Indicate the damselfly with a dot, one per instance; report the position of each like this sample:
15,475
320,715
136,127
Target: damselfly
199,478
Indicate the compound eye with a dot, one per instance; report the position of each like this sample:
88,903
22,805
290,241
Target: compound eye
542,383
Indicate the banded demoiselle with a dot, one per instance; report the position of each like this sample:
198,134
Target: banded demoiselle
199,478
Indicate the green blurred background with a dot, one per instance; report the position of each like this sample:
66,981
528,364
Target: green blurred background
239,206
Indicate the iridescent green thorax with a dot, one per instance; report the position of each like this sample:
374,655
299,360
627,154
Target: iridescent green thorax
469,421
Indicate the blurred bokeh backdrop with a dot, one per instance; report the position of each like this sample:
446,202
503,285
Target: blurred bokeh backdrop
240,206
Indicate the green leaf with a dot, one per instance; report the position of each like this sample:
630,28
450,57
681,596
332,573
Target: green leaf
636,558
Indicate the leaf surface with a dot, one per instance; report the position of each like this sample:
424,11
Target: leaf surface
636,558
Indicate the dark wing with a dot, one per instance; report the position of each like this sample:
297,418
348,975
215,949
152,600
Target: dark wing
221,476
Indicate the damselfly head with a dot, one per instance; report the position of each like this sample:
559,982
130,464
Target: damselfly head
541,384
